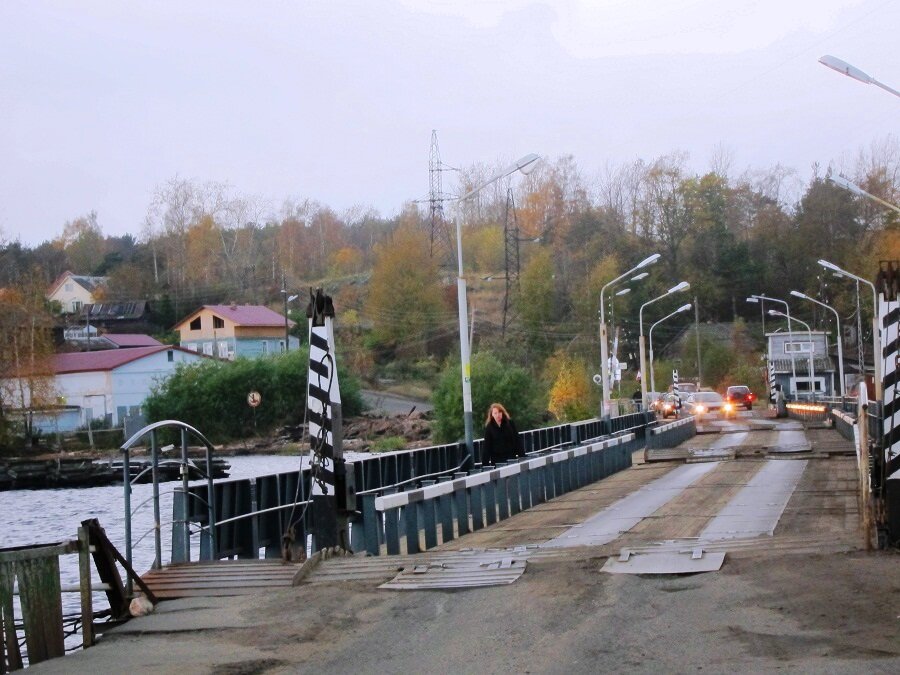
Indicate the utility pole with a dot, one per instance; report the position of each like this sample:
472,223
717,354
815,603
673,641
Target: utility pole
697,329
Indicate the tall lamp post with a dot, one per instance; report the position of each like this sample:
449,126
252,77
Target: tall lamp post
812,372
762,311
287,299
876,333
787,308
604,346
845,68
526,164
683,308
837,318
682,286
842,182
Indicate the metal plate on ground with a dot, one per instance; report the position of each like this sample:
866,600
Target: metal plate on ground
665,562
491,569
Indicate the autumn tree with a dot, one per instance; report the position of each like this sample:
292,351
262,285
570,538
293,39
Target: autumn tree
405,301
83,243
26,345
570,394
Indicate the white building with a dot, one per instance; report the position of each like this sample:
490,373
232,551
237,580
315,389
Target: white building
73,291
107,385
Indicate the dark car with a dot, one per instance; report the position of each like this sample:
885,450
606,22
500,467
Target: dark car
670,406
740,395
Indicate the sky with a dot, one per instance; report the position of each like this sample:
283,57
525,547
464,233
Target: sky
335,101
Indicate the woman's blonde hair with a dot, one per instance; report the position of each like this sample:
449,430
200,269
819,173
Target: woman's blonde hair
499,407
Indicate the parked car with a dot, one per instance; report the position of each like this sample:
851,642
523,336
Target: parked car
707,401
740,395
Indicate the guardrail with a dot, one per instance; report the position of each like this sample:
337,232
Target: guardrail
268,514
845,425
469,503
809,412
671,434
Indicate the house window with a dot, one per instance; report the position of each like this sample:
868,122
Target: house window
76,305
281,346
208,348
68,287
265,346
797,347
223,350
171,355
218,323
195,324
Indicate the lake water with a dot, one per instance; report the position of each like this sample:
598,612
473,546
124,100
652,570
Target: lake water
47,516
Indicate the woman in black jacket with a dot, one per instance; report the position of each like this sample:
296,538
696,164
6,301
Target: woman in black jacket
501,439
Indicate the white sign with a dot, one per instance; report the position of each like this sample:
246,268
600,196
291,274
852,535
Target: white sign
254,399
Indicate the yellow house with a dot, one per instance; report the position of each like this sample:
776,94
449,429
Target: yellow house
230,331
73,291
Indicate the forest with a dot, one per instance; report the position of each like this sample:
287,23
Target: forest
537,250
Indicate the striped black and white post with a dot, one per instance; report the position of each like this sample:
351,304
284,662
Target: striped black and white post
323,404
772,381
675,383
889,321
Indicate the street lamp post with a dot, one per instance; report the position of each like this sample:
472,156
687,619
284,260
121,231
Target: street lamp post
287,299
876,333
759,296
525,165
683,308
812,371
845,68
840,181
762,311
604,346
837,318
682,286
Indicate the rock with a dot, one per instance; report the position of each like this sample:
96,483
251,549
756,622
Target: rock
140,606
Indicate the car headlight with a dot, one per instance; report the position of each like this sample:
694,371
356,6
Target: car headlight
728,407
701,409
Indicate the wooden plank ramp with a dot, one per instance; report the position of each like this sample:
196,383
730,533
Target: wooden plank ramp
220,578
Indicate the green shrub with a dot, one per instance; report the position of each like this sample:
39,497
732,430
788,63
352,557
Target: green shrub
389,444
212,395
492,381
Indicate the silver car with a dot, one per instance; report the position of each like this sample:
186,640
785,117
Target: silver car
704,402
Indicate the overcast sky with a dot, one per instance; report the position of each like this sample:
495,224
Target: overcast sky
101,101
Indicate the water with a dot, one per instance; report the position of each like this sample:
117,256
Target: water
30,517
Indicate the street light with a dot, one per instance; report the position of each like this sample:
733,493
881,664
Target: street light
837,318
683,308
876,339
845,68
790,330
287,299
683,286
526,164
812,372
604,347
762,311
840,181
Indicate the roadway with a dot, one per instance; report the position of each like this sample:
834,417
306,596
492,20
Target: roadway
796,591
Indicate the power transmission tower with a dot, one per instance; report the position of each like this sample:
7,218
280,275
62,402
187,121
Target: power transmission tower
511,240
441,239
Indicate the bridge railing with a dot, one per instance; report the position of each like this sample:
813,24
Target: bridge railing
439,512
671,434
270,513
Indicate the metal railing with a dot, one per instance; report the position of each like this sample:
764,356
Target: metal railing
672,434
181,531
467,503
246,516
